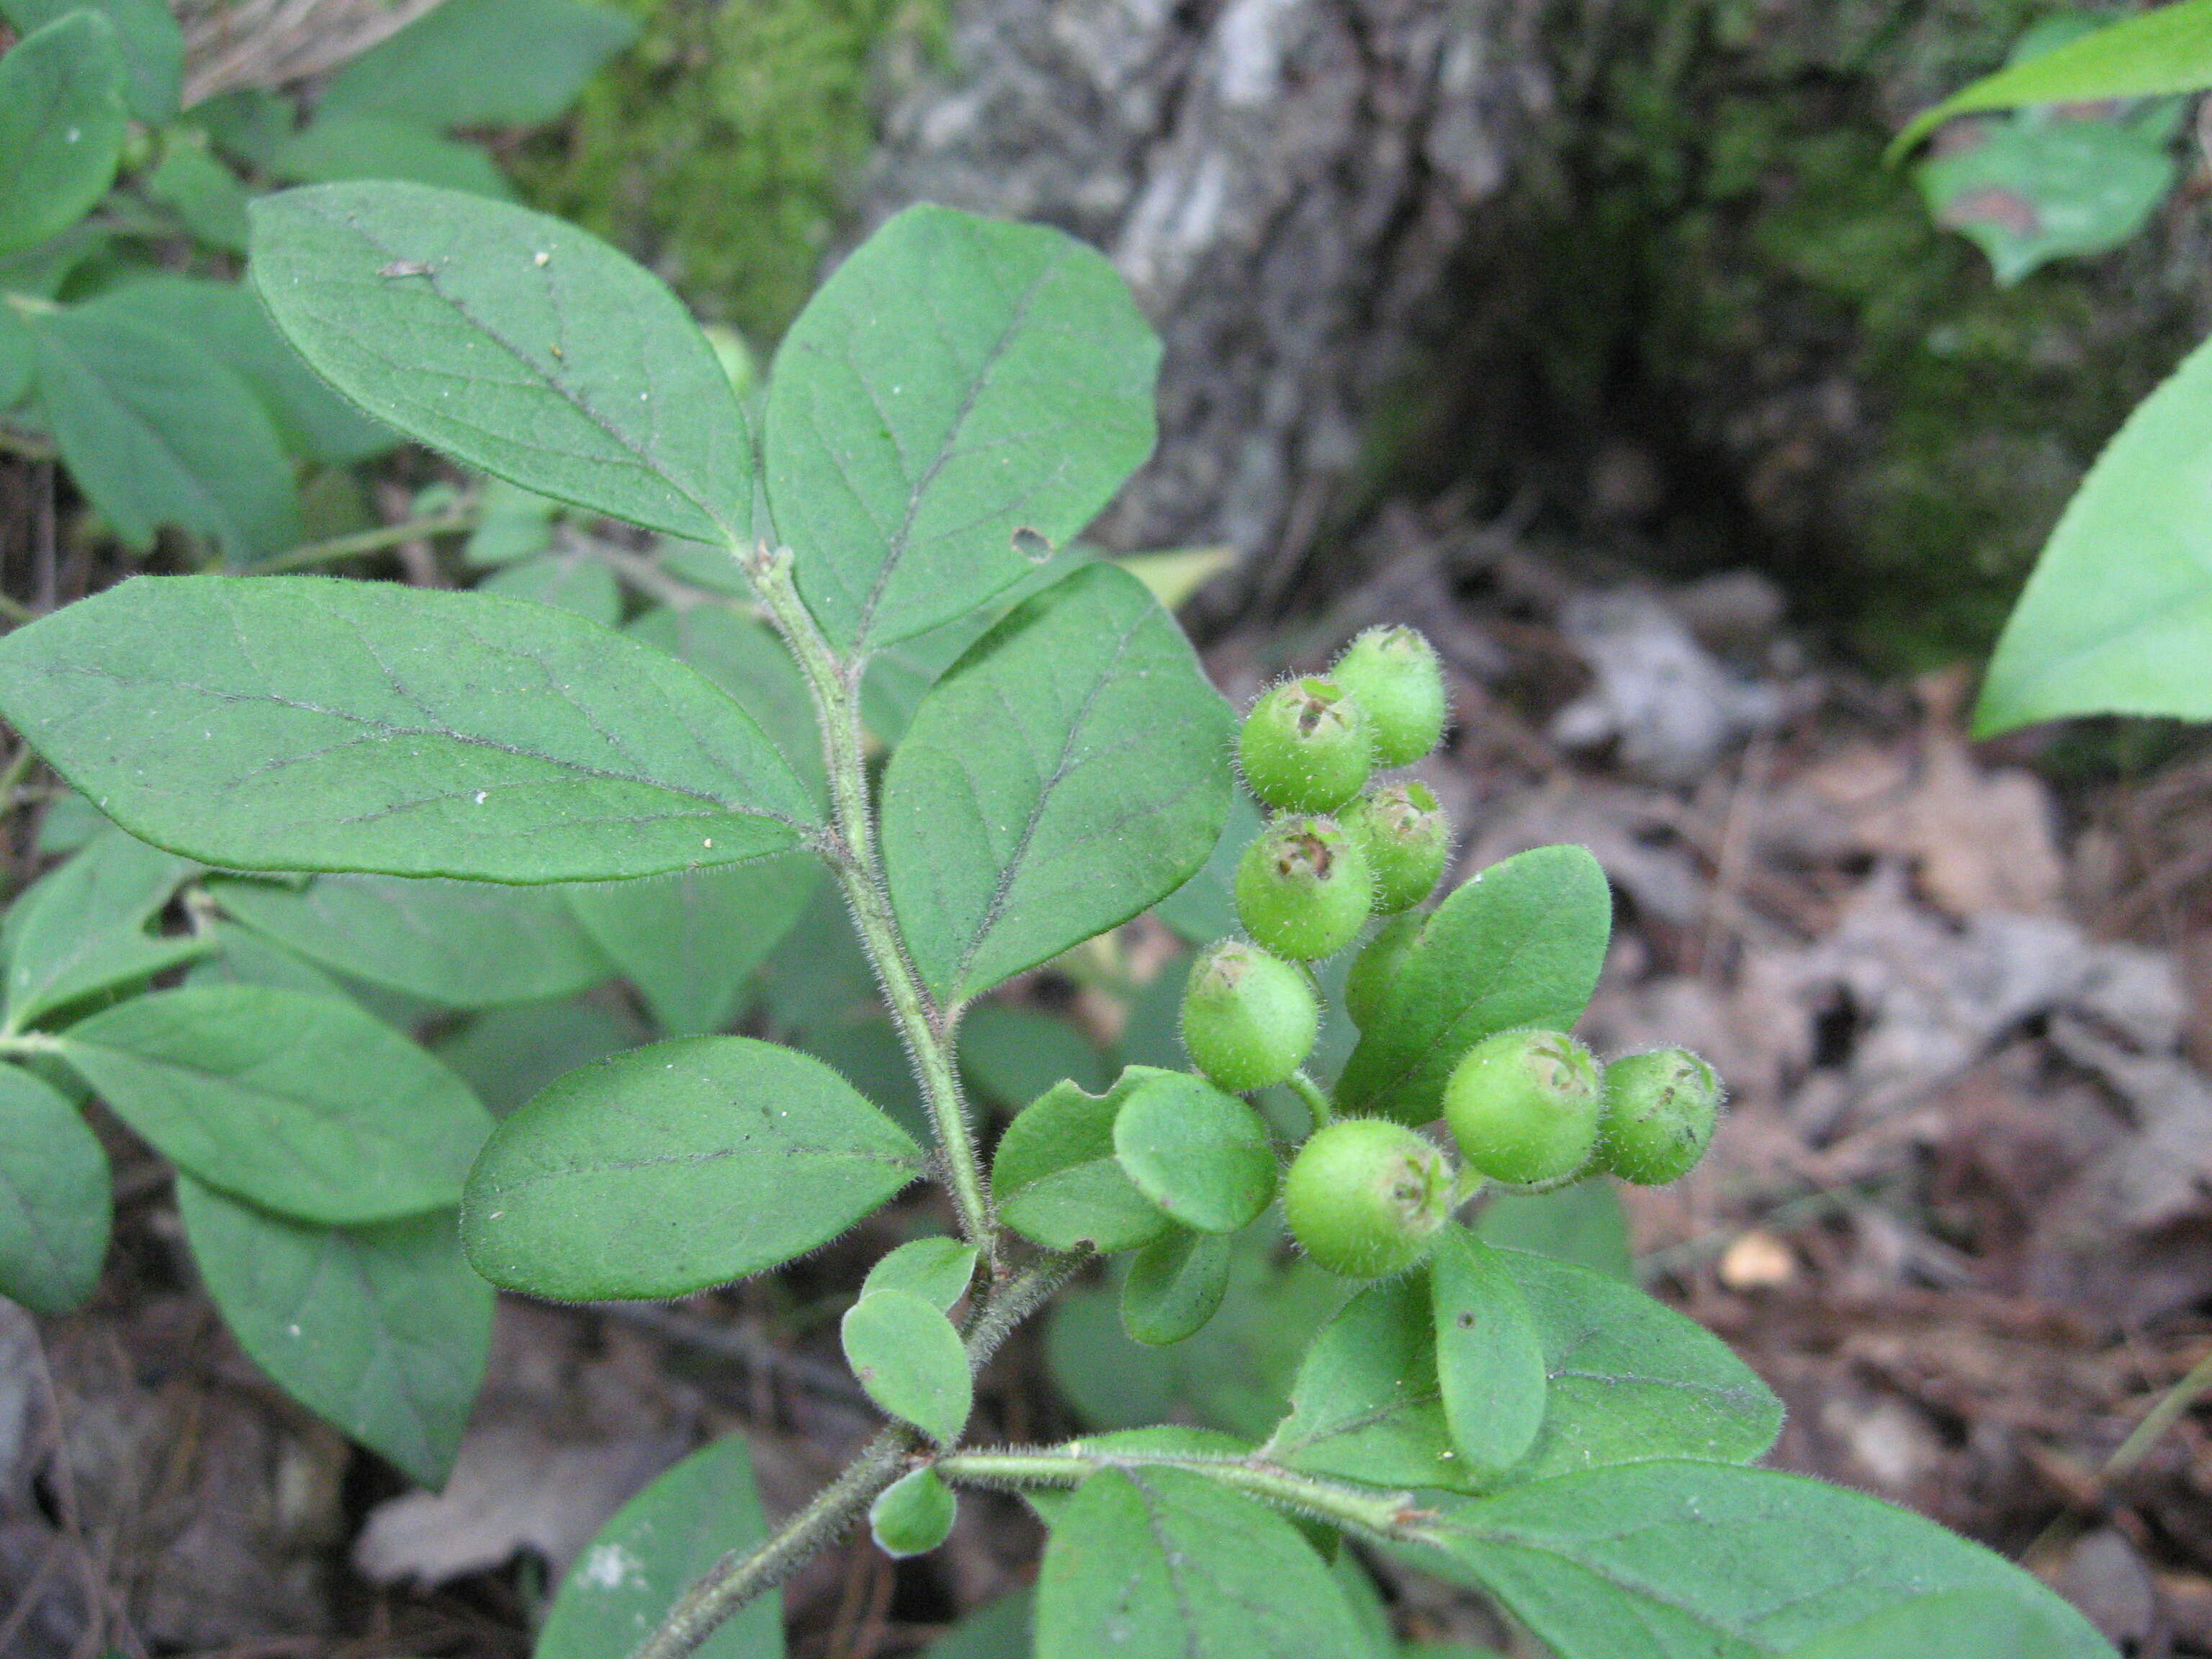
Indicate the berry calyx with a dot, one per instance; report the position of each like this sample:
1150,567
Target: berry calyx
1364,1196
1524,1106
1249,1018
1406,839
1304,746
1376,967
1393,674
1304,888
1658,1115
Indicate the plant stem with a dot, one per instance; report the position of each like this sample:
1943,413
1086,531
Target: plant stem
371,541
851,851
1316,1097
1382,1514
739,1578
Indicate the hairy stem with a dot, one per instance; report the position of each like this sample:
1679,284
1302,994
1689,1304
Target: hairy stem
926,1028
740,1578
1316,1097
305,557
1380,1515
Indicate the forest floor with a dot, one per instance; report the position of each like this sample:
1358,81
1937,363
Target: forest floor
1959,1215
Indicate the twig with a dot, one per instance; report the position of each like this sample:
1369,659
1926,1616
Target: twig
377,540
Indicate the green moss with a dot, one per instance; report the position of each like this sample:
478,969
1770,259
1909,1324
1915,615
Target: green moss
1768,304
716,150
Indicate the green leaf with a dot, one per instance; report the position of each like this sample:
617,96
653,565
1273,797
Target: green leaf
749,663
1201,1155
510,1054
432,71
381,1331
512,523
453,319
1957,1625
1100,783
1366,1404
1583,1224
568,581
2027,193
303,1105
149,43
1630,1378
1056,1178
671,1168
913,1516
2116,618
656,1547
55,1203
344,148
201,190
1012,1055
691,942
909,1358
937,1270
156,432
1162,1564
997,1630
1520,945
82,927
2168,50
1204,908
1175,1286
1709,1561
458,944
1490,1359
230,324
305,723
61,126
961,397
243,957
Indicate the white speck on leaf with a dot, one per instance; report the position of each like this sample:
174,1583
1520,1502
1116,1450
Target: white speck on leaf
540,258
481,794
609,1567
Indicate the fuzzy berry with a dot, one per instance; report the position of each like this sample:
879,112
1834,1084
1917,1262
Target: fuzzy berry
1249,1018
1304,889
1406,839
1365,1196
1524,1106
1658,1115
1305,747
1393,674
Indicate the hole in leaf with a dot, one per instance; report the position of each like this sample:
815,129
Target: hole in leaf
1032,544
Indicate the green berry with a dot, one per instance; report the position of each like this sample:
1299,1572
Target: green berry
1377,966
1249,1019
1524,1106
1304,889
1365,1196
1406,839
1393,674
1305,747
1658,1115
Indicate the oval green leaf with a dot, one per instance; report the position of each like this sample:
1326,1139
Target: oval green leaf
1519,944
673,1168
910,1361
1955,1625
458,944
1069,770
55,1199
1366,1404
1490,1362
1056,1179
61,126
82,927
937,1270
459,321
913,1516
1202,1156
381,1331
2117,617
1175,1285
960,398
1699,1558
657,1546
304,1105
1163,1564
304,723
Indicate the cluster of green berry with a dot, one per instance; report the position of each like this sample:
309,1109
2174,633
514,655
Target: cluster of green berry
1530,1109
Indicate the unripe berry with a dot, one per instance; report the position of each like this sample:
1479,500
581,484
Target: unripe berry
1304,889
1249,1019
1658,1115
1406,839
1365,1196
1524,1106
1393,674
1305,747
1377,966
